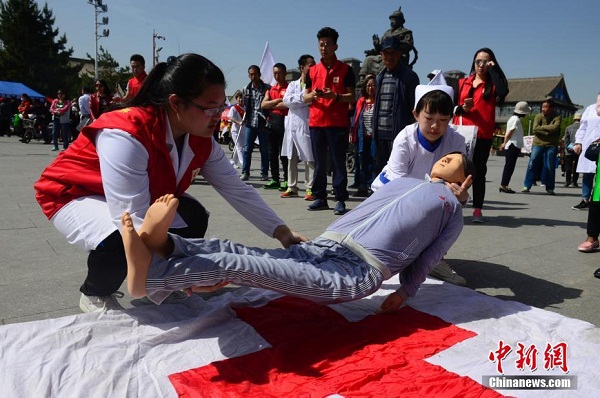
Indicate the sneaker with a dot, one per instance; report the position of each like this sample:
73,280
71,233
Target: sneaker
550,192
100,303
309,195
319,204
290,193
477,216
54,149
340,208
283,187
264,177
575,185
588,247
444,272
525,190
581,206
272,185
176,297
245,177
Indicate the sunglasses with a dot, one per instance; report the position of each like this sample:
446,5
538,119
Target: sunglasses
481,62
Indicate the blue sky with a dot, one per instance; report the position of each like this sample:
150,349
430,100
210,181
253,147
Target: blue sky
531,38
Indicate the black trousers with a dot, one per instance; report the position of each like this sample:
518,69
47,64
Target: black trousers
481,153
107,266
275,139
593,222
571,176
511,155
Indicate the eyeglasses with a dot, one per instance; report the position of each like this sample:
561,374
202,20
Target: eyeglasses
210,111
481,62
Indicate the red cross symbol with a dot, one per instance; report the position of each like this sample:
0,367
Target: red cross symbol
316,352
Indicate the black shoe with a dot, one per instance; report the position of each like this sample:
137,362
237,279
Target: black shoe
245,177
264,177
575,185
581,206
361,193
597,273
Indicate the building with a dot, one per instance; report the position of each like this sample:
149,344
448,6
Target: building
535,90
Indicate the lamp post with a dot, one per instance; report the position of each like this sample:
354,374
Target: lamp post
99,8
155,50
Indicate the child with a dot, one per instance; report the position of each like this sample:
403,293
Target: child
419,145
404,228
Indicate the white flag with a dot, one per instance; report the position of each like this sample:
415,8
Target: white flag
266,66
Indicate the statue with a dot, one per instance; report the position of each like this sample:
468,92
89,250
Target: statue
372,63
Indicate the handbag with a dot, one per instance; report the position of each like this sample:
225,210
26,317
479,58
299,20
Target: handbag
469,133
593,151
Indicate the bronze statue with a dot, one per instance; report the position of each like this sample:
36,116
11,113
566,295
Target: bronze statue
372,63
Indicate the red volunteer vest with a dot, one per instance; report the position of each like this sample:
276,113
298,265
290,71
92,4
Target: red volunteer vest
278,92
76,171
329,112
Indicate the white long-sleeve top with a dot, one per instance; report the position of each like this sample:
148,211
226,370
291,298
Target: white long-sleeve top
297,132
588,132
410,159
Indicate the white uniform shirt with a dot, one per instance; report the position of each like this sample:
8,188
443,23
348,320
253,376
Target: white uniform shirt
124,164
410,159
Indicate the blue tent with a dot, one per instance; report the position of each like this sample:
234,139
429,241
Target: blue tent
13,89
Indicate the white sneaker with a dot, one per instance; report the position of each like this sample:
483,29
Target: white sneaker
100,303
176,297
445,273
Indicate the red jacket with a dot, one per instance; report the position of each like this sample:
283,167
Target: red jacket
329,112
483,113
76,171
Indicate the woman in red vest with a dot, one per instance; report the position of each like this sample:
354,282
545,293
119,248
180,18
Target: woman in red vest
152,145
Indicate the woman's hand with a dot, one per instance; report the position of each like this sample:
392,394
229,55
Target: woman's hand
287,237
392,303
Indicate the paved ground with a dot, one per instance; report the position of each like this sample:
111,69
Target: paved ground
525,251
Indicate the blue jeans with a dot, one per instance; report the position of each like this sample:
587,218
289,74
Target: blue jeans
587,182
251,134
542,158
65,131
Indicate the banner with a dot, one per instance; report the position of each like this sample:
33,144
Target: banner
267,62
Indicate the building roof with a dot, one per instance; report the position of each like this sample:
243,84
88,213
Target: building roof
537,89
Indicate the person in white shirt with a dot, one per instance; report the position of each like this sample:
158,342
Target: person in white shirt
513,142
296,140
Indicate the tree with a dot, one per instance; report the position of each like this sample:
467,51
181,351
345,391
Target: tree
109,70
31,51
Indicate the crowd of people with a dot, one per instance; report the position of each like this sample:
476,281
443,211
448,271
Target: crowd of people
150,145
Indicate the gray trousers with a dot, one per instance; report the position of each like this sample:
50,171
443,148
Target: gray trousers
321,270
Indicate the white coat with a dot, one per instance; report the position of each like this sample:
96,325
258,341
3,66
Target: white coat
297,132
589,131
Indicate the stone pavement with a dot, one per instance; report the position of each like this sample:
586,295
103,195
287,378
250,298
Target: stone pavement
525,251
